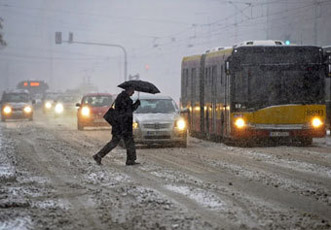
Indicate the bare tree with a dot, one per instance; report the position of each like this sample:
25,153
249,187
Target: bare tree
2,42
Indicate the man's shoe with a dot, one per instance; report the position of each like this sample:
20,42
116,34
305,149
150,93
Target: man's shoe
97,159
132,163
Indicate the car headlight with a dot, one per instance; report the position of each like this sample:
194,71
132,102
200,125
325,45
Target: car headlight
316,122
181,124
240,123
27,109
59,108
85,111
48,105
135,125
7,109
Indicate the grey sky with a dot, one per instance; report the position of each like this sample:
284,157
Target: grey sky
157,33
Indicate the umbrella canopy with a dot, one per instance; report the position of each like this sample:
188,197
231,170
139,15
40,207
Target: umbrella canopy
141,86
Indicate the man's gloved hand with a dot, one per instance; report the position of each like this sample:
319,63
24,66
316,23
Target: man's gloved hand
138,102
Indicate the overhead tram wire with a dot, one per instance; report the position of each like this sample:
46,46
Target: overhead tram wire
227,27
96,15
221,29
46,58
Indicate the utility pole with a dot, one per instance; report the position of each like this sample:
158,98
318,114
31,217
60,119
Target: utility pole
58,40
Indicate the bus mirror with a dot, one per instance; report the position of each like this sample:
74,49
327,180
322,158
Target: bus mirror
227,67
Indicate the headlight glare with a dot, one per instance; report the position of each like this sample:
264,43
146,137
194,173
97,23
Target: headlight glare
48,105
135,125
59,108
240,123
27,109
7,109
316,122
86,111
180,124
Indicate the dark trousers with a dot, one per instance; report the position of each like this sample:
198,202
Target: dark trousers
129,145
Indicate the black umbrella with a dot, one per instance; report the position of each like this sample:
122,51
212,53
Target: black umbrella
141,86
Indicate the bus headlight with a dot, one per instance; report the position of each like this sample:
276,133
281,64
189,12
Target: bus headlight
27,109
59,108
240,123
48,105
85,111
316,122
135,125
180,124
7,109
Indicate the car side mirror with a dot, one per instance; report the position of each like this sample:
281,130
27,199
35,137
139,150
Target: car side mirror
77,104
184,111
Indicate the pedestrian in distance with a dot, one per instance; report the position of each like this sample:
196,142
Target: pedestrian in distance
122,128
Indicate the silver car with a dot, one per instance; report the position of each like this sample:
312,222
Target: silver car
16,104
157,121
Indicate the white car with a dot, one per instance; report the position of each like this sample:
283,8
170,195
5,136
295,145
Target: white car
158,121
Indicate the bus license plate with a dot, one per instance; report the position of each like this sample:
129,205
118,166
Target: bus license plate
279,134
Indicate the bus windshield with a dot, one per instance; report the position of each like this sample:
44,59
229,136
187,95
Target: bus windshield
276,77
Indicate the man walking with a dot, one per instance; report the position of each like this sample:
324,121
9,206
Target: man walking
122,128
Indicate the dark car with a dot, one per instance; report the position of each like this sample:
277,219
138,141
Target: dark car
16,105
48,101
92,108
65,104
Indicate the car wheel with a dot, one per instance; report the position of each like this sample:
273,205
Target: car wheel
183,144
80,126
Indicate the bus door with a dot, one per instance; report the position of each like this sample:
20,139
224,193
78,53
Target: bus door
227,102
214,96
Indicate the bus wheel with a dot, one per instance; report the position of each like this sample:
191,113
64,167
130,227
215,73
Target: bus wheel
306,141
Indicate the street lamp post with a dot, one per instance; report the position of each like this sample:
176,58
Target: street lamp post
58,40
112,45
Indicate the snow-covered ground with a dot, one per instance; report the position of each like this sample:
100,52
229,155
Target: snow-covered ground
49,181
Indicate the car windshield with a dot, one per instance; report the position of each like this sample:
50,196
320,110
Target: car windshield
16,97
51,96
67,99
157,106
98,101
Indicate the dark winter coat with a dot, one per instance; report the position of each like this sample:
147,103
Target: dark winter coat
125,108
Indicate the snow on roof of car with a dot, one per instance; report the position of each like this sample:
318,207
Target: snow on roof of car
16,91
97,94
150,96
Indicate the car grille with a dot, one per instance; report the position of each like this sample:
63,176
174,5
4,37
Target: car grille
157,137
157,126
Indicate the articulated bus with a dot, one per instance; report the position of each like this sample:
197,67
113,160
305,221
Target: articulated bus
327,50
256,90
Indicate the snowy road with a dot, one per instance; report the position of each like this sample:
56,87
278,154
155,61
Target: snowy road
49,181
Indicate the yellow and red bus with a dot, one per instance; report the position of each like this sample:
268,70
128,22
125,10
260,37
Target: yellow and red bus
256,90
